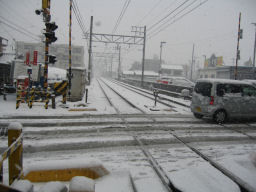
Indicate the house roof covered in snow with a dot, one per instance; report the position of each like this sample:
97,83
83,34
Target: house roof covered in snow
137,72
176,67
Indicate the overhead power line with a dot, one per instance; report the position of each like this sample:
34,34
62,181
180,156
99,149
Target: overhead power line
21,31
150,11
162,12
19,27
126,4
79,17
191,10
165,17
173,17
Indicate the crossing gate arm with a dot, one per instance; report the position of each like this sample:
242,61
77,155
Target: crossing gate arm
10,150
13,152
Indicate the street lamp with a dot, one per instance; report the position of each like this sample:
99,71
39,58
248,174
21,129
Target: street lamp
161,45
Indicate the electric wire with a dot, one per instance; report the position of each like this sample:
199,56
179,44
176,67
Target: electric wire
150,11
15,14
165,17
79,18
126,4
191,10
162,12
173,17
19,30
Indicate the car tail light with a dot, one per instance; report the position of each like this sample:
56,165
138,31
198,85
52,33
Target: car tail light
211,100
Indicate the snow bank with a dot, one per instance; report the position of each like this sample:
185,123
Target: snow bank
61,164
15,126
81,184
115,182
23,185
54,187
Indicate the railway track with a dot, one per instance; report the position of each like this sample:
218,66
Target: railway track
140,131
121,96
150,95
143,132
146,93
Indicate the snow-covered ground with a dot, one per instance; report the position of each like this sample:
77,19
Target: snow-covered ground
188,171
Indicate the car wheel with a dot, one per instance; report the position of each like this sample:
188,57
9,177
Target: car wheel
198,116
220,116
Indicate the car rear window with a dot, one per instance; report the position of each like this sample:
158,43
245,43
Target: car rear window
203,88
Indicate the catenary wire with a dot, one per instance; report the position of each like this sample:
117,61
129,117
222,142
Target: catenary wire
173,17
165,17
126,4
150,11
24,33
150,36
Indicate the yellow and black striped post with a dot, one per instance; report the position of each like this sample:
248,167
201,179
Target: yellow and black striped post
61,88
70,61
47,16
18,97
32,97
14,152
47,98
237,48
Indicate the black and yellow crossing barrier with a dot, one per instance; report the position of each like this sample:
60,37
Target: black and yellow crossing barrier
14,153
31,97
47,97
61,89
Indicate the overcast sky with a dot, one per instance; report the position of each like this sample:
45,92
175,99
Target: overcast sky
212,27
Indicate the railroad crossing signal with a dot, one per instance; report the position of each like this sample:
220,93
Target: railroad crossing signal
50,34
52,59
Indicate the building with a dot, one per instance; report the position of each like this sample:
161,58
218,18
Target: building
228,72
6,68
172,70
61,51
149,65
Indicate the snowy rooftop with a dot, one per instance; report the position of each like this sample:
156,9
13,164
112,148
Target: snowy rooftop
137,72
177,67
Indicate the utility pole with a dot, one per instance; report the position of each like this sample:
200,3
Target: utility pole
239,36
192,63
69,47
254,49
90,52
47,17
161,45
119,62
143,56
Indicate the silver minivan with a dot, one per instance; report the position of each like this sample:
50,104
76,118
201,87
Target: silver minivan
221,99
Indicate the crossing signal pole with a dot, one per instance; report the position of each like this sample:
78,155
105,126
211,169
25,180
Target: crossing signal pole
50,27
69,47
240,35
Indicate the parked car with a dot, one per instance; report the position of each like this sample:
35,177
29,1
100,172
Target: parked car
177,81
222,99
252,81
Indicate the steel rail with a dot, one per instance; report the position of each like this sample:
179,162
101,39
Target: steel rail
106,96
244,186
125,99
132,87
